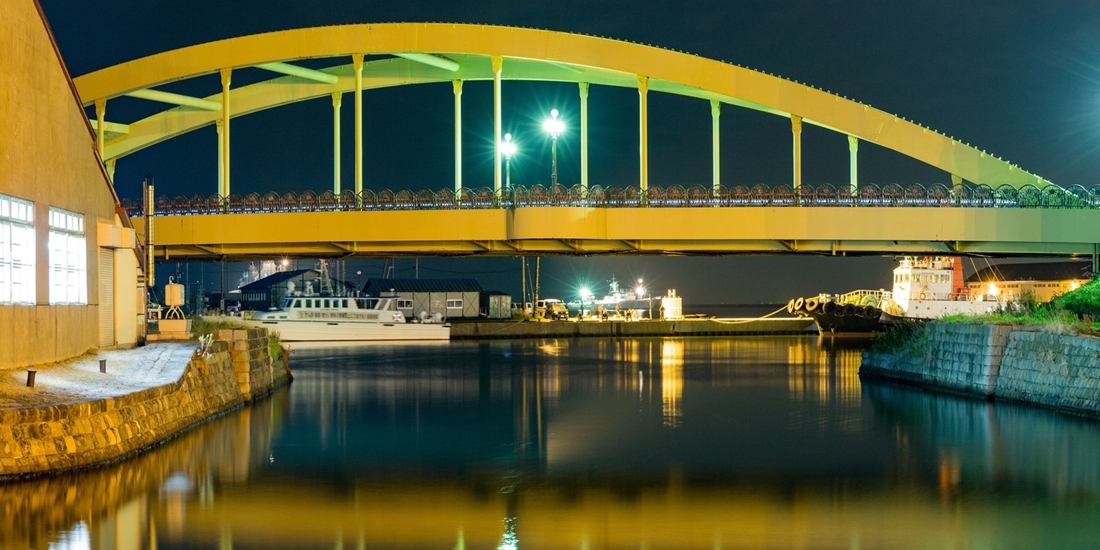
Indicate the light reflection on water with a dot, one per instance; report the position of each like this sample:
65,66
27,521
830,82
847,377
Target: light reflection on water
767,442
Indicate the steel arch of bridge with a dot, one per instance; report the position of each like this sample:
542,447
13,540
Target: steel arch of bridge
528,54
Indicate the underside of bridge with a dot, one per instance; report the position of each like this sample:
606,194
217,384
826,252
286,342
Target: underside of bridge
668,231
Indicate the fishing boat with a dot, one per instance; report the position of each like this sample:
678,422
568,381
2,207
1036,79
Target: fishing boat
319,318
924,288
329,316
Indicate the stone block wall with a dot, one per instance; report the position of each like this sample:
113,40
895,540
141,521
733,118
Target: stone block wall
1004,362
248,349
64,437
1053,370
958,357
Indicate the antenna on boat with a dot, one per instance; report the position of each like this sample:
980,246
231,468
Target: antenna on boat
325,281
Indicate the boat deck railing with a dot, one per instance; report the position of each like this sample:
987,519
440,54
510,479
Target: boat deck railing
859,296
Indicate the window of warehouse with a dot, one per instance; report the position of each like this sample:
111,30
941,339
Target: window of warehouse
454,304
16,251
68,258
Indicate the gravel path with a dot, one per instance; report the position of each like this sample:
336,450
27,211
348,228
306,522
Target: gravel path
79,379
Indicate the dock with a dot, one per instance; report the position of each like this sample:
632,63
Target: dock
483,329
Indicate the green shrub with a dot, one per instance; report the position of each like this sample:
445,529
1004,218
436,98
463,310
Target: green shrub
906,336
274,346
1083,302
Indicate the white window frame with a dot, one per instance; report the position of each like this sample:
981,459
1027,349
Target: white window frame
404,304
17,252
68,245
454,303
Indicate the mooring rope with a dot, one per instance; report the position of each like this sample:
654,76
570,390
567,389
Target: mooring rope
782,308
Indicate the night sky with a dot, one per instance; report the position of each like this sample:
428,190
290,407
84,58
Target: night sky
1019,79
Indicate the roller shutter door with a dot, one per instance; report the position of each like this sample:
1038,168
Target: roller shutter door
106,297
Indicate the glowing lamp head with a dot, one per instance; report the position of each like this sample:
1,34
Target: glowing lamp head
1074,285
508,147
553,125
585,293
993,289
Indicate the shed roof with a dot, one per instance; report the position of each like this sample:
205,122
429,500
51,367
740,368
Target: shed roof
283,276
377,286
1045,271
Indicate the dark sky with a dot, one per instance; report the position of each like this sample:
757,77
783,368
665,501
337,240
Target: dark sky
1019,79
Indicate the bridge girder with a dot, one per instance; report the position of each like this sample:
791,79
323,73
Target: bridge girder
663,231
530,55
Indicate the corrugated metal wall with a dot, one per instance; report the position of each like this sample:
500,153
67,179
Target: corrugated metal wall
106,297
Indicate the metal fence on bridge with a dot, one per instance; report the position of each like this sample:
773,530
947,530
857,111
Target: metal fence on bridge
892,195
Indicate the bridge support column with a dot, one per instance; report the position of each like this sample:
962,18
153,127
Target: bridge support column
100,113
221,157
457,85
715,112
584,136
643,132
357,65
853,149
498,63
110,164
227,75
796,130
337,100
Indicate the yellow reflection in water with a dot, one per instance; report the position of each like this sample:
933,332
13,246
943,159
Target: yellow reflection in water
204,489
672,381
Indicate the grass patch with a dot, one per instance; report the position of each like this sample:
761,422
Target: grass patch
906,336
201,326
274,345
1075,312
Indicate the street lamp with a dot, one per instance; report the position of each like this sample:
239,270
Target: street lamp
508,148
554,127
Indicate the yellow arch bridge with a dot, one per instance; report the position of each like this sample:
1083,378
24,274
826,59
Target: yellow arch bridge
991,206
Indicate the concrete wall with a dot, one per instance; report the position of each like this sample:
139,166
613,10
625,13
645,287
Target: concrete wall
47,155
1051,370
236,369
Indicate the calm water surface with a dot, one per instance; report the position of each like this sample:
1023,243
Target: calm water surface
751,442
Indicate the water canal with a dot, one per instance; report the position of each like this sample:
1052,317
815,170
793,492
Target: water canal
749,442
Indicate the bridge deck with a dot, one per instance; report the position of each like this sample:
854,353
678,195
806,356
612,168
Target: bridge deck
587,230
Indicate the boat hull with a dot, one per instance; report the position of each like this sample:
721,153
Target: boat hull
335,331
839,323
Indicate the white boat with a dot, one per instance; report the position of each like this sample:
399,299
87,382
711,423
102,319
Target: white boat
317,318
924,288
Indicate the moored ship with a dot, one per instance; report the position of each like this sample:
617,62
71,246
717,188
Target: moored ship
924,288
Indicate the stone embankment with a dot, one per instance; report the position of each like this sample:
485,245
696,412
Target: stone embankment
236,368
1003,362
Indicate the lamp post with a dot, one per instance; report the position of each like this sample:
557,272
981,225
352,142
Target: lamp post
508,148
554,127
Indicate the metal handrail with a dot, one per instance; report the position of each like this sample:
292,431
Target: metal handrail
674,196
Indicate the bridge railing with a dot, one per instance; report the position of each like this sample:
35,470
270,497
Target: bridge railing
673,196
